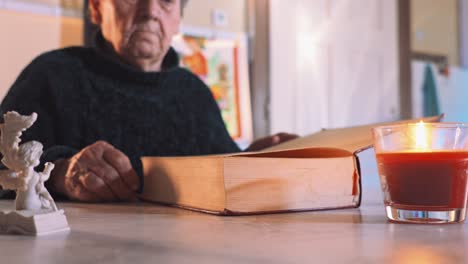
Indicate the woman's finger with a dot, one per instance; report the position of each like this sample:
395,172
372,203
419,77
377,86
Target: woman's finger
77,192
96,185
113,180
120,162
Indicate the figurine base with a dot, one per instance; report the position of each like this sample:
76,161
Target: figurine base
25,222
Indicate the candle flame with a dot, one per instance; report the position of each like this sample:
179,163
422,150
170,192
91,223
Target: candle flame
421,136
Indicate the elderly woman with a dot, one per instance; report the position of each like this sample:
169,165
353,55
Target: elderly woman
101,109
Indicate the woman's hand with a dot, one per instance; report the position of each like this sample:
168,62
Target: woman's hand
270,141
98,173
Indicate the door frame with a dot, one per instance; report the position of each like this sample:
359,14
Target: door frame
259,39
404,50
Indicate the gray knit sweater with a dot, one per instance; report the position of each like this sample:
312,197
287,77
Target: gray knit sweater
83,95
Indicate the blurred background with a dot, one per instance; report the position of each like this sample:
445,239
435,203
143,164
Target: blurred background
296,66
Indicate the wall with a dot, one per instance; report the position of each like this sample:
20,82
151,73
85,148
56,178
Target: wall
333,64
74,4
434,28
451,92
198,14
50,31
30,35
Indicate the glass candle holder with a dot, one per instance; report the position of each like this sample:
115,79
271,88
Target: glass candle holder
423,171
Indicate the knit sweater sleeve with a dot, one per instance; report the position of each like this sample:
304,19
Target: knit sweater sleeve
212,129
31,92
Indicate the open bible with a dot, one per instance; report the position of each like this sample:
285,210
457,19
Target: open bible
320,171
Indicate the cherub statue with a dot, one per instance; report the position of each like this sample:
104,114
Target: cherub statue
21,160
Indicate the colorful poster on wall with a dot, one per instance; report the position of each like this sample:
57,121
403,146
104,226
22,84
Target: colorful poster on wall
216,61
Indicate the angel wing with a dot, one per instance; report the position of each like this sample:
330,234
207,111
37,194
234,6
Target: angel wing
11,131
8,180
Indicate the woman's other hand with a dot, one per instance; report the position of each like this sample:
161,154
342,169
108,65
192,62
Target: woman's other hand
98,173
270,141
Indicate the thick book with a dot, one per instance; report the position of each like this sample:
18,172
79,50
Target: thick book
316,172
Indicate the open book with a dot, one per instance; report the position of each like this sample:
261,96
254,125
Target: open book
320,171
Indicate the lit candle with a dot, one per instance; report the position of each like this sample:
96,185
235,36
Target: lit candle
420,137
418,178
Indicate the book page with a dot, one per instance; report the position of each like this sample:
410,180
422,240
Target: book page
351,139
300,153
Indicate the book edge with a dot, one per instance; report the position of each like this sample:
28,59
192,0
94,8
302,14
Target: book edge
227,212
358,169
219,159
355,204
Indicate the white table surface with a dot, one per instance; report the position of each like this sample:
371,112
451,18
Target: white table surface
148,233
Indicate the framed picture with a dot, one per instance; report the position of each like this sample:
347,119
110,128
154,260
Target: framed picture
221,61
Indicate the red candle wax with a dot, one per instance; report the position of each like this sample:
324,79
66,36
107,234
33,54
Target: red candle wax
424,180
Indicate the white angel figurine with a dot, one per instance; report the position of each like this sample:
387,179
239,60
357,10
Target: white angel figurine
21,160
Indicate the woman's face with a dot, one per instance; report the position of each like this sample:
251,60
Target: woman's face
140,30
